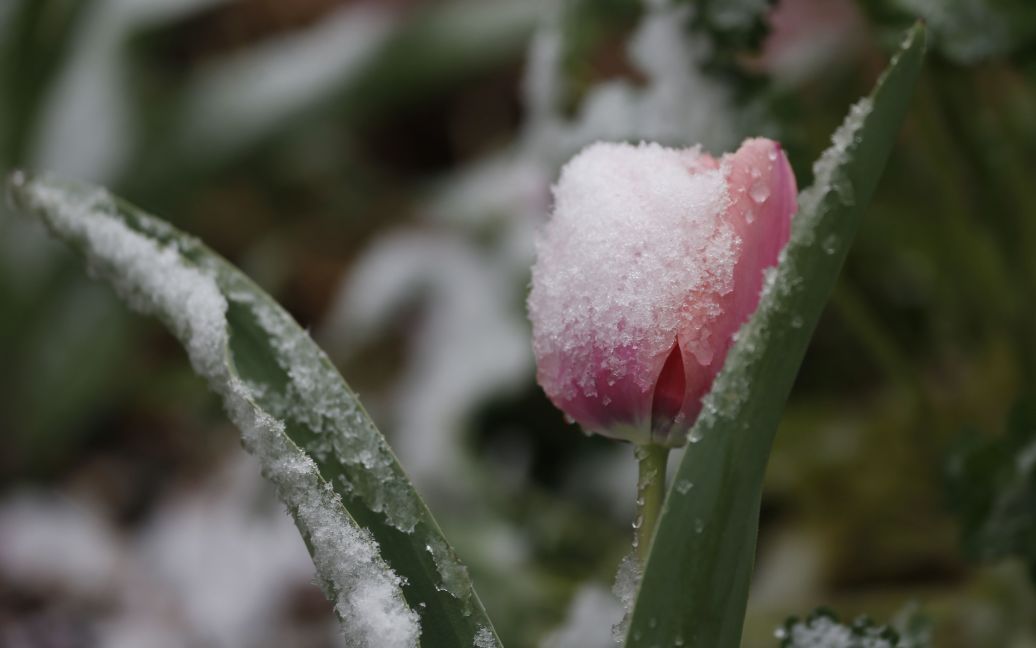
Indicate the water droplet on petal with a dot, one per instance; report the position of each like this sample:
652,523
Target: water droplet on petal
759,191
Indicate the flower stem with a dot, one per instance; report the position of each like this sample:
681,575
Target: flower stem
650,494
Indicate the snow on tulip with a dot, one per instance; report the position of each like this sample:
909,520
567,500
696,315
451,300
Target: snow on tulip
651,261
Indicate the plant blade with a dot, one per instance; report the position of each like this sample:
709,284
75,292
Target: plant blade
694,588
379,554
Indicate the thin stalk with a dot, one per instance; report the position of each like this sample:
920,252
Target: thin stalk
651,460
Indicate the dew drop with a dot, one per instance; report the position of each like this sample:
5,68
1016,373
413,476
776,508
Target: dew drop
830,244
683,486
759,191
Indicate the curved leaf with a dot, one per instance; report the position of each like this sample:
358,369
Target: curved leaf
695,585
379,554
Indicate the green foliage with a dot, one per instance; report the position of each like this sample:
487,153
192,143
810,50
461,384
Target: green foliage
991,484
695,585
734,25
970,31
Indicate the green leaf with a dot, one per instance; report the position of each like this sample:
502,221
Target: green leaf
379,553
695,584
991,484
972,31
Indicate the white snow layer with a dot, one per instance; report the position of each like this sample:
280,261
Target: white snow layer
592,613
157,280
237,99
88,122
57,544
618,201
216,565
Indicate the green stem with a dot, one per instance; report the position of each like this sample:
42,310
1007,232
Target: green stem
650,495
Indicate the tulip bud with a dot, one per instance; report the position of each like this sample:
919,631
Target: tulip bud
652,260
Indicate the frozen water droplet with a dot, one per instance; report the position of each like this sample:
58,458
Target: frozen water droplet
637,522
699,526
683,486
694,436
772,155
830,244
569,419
760,191
796,322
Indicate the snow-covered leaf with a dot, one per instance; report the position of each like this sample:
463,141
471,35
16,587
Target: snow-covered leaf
380,556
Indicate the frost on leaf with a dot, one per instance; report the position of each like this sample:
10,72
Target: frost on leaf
453,574
829,170
627,583
154,272
484,638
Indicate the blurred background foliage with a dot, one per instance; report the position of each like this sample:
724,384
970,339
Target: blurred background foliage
381,168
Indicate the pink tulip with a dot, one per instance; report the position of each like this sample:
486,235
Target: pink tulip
652,260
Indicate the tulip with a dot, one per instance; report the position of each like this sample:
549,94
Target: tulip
651,261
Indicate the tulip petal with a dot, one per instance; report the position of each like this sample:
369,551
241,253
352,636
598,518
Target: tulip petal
669,393
648,245
762,193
